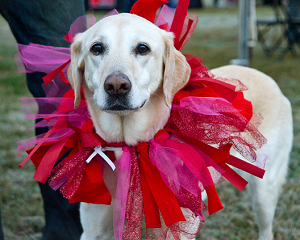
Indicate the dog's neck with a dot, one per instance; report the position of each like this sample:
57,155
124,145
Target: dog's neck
136,127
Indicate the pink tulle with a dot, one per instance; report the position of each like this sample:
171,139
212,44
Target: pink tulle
48,107
52,110
202,105
165,19
174,173
31,142
177,175
83,23
189,26
111,13
57,87
80,25
123,178
165,16
188,229
76,116
227,127
261,159
40,58
193,161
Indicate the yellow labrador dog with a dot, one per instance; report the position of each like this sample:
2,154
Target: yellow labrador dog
130,71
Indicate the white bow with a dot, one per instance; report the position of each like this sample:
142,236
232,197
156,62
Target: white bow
100,150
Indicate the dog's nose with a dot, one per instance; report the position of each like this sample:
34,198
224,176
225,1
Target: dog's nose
117,83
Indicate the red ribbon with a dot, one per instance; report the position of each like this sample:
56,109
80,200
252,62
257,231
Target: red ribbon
156,195
92,188
200,77
69,37
178,21
221,158
47,163
79,139
33,150
245,166
80,179
48,78
147,8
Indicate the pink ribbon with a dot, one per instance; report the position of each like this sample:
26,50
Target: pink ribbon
123,172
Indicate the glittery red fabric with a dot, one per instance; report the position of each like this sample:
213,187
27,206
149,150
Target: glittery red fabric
134,206
72,168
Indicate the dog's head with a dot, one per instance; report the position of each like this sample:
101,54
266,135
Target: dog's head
124,59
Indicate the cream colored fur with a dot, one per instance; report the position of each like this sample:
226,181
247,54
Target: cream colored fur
155,77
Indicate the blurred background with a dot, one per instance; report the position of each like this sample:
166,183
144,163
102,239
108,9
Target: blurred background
269,42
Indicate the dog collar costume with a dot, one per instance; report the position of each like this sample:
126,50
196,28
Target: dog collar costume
158,179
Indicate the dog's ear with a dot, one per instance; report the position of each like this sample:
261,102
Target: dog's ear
76,68
176,70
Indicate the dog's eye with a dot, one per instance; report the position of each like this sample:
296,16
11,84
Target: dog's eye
143,49
97,49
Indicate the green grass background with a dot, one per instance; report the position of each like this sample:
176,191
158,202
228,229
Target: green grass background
215,41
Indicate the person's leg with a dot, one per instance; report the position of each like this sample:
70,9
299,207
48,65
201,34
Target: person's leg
62,218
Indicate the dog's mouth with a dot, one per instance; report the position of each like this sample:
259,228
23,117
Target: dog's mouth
120,108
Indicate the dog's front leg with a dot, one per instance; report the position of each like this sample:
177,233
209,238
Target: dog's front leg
97,221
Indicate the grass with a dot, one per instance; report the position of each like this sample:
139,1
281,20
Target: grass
215,41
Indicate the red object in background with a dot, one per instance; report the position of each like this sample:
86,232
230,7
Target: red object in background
106,4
